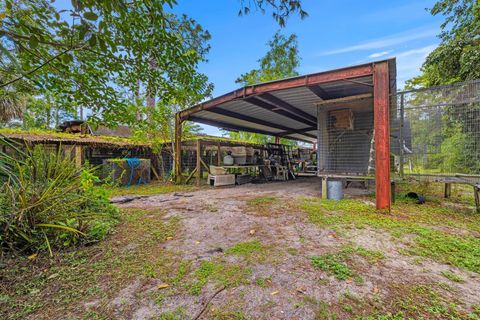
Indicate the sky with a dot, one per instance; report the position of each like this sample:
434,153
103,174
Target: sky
336,34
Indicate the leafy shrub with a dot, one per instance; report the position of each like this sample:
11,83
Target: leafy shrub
47,202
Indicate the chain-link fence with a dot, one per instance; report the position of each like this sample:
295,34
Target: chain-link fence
436,131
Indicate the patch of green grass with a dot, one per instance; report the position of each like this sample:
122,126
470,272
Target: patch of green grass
373,256
135,249
219,314
151,188
262,282
178,314
262,201
332,264
320,308
221,273
337,264
264,205
453,276
421,221
421,301
246,248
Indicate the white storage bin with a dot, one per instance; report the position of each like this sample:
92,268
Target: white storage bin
221,180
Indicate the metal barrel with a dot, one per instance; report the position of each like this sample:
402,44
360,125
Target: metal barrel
334,189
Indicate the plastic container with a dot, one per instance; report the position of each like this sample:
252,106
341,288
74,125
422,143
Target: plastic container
228,160
334,189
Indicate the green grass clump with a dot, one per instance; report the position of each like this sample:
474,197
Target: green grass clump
261,201
453,276
38,288
221,273
246,249
406,219
332,264
47,202
373,256
149,189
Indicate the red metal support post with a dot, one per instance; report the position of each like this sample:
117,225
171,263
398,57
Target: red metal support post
382,134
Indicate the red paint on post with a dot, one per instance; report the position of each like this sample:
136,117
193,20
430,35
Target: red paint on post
382,134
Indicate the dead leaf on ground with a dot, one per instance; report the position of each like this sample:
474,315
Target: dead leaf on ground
163,286
32,257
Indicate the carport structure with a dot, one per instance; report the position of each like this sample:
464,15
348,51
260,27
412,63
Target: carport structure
300,108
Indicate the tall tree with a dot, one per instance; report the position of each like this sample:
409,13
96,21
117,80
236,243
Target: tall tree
281,61
457,58
280,10
94,52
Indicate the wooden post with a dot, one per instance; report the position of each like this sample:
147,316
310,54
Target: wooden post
178,149
476,193
324,187
322,139
198,166
448,190
277,139
382,134
219,155
78,156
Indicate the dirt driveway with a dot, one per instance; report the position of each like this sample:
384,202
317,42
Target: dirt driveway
252,252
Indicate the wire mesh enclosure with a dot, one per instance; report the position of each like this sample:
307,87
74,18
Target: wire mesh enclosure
346,139
436,131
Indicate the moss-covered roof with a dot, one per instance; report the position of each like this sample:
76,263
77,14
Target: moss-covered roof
50,136
47,136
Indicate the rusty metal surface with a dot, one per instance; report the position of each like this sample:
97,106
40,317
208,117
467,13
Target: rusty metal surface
382,135
288,105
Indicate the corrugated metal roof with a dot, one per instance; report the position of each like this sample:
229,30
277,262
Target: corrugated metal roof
287,107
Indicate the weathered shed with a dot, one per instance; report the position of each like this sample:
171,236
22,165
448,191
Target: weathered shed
303,108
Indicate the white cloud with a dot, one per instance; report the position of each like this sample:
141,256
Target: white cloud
379,54
409,63
396,39
423,51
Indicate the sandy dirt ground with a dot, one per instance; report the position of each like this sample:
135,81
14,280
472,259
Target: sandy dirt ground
213,220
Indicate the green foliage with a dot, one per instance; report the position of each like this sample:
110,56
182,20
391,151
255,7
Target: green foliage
221,273
457,58
47,202
151,188
458,250
100,55
281,9
96,54
332,264
281,61
453,276
251,251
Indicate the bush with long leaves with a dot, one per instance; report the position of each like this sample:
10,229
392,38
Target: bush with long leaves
46,201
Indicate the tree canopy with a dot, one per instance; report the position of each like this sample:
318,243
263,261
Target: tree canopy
457,58
95,53
281,61
107,56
